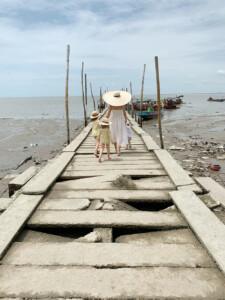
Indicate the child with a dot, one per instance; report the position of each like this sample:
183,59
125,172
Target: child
95,130
129,133
104,138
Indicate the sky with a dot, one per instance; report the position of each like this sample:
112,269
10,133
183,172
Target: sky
114,38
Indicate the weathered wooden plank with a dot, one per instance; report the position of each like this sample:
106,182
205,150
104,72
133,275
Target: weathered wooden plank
123,151
91,218
216,191
115,167
129,157
13,219
122,283
137,163
74,145
107,255
176,236
192,187
149,142
65,204
4,203
178,175
21,179
138,129
209,229
92,173
95,185
40,183
123,195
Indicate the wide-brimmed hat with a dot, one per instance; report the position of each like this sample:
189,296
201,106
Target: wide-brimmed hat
94,115
104,122
117,98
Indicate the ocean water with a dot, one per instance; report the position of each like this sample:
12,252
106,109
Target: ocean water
53,107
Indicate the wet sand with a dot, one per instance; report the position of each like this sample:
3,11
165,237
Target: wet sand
202,139
34,139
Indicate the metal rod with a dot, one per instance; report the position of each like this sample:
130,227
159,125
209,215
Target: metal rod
158,101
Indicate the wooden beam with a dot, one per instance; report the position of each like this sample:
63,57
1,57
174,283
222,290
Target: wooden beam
178,175
22,179
216,191
208,228
121,283
107,255
13,219
91,218
40,183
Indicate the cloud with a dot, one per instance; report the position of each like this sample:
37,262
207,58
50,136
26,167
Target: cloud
114,38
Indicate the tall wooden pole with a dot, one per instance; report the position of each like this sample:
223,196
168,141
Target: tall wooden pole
83,98
158,101
93,98
131,92
85,89
67,94
142,93
100,101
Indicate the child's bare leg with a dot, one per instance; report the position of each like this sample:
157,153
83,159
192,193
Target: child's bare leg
108,151
96,147
129,142
101,152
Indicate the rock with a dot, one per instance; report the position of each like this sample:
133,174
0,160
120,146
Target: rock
108,206
221,157
96,204
92,237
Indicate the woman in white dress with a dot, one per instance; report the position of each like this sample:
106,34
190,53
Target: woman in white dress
118,117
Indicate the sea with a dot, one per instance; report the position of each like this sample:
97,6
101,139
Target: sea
54,107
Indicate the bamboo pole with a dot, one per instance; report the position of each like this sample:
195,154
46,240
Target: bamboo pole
142,92
67,94
93,98
85,89
100,101
158,101
83,98
132,107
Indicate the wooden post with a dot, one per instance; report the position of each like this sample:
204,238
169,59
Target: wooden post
158,101
83,98
67,95
93,98
100,101
85,89
132,107
142,92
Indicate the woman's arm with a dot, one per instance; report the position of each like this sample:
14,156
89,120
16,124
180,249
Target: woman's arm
125,114
109,112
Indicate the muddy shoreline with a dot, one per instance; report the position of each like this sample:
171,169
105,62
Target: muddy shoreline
198,142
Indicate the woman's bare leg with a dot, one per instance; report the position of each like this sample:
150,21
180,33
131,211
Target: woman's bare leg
108,151
118,150
115,145
101,152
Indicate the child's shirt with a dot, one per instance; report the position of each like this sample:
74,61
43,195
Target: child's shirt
95,129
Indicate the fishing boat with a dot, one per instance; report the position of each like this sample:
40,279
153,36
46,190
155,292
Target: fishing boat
170,103
216,100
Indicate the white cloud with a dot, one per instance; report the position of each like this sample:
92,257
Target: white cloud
114,39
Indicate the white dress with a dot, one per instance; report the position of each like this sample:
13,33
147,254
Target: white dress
118,127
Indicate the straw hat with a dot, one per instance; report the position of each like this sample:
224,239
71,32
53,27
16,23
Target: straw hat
117,98
104,122
94,115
